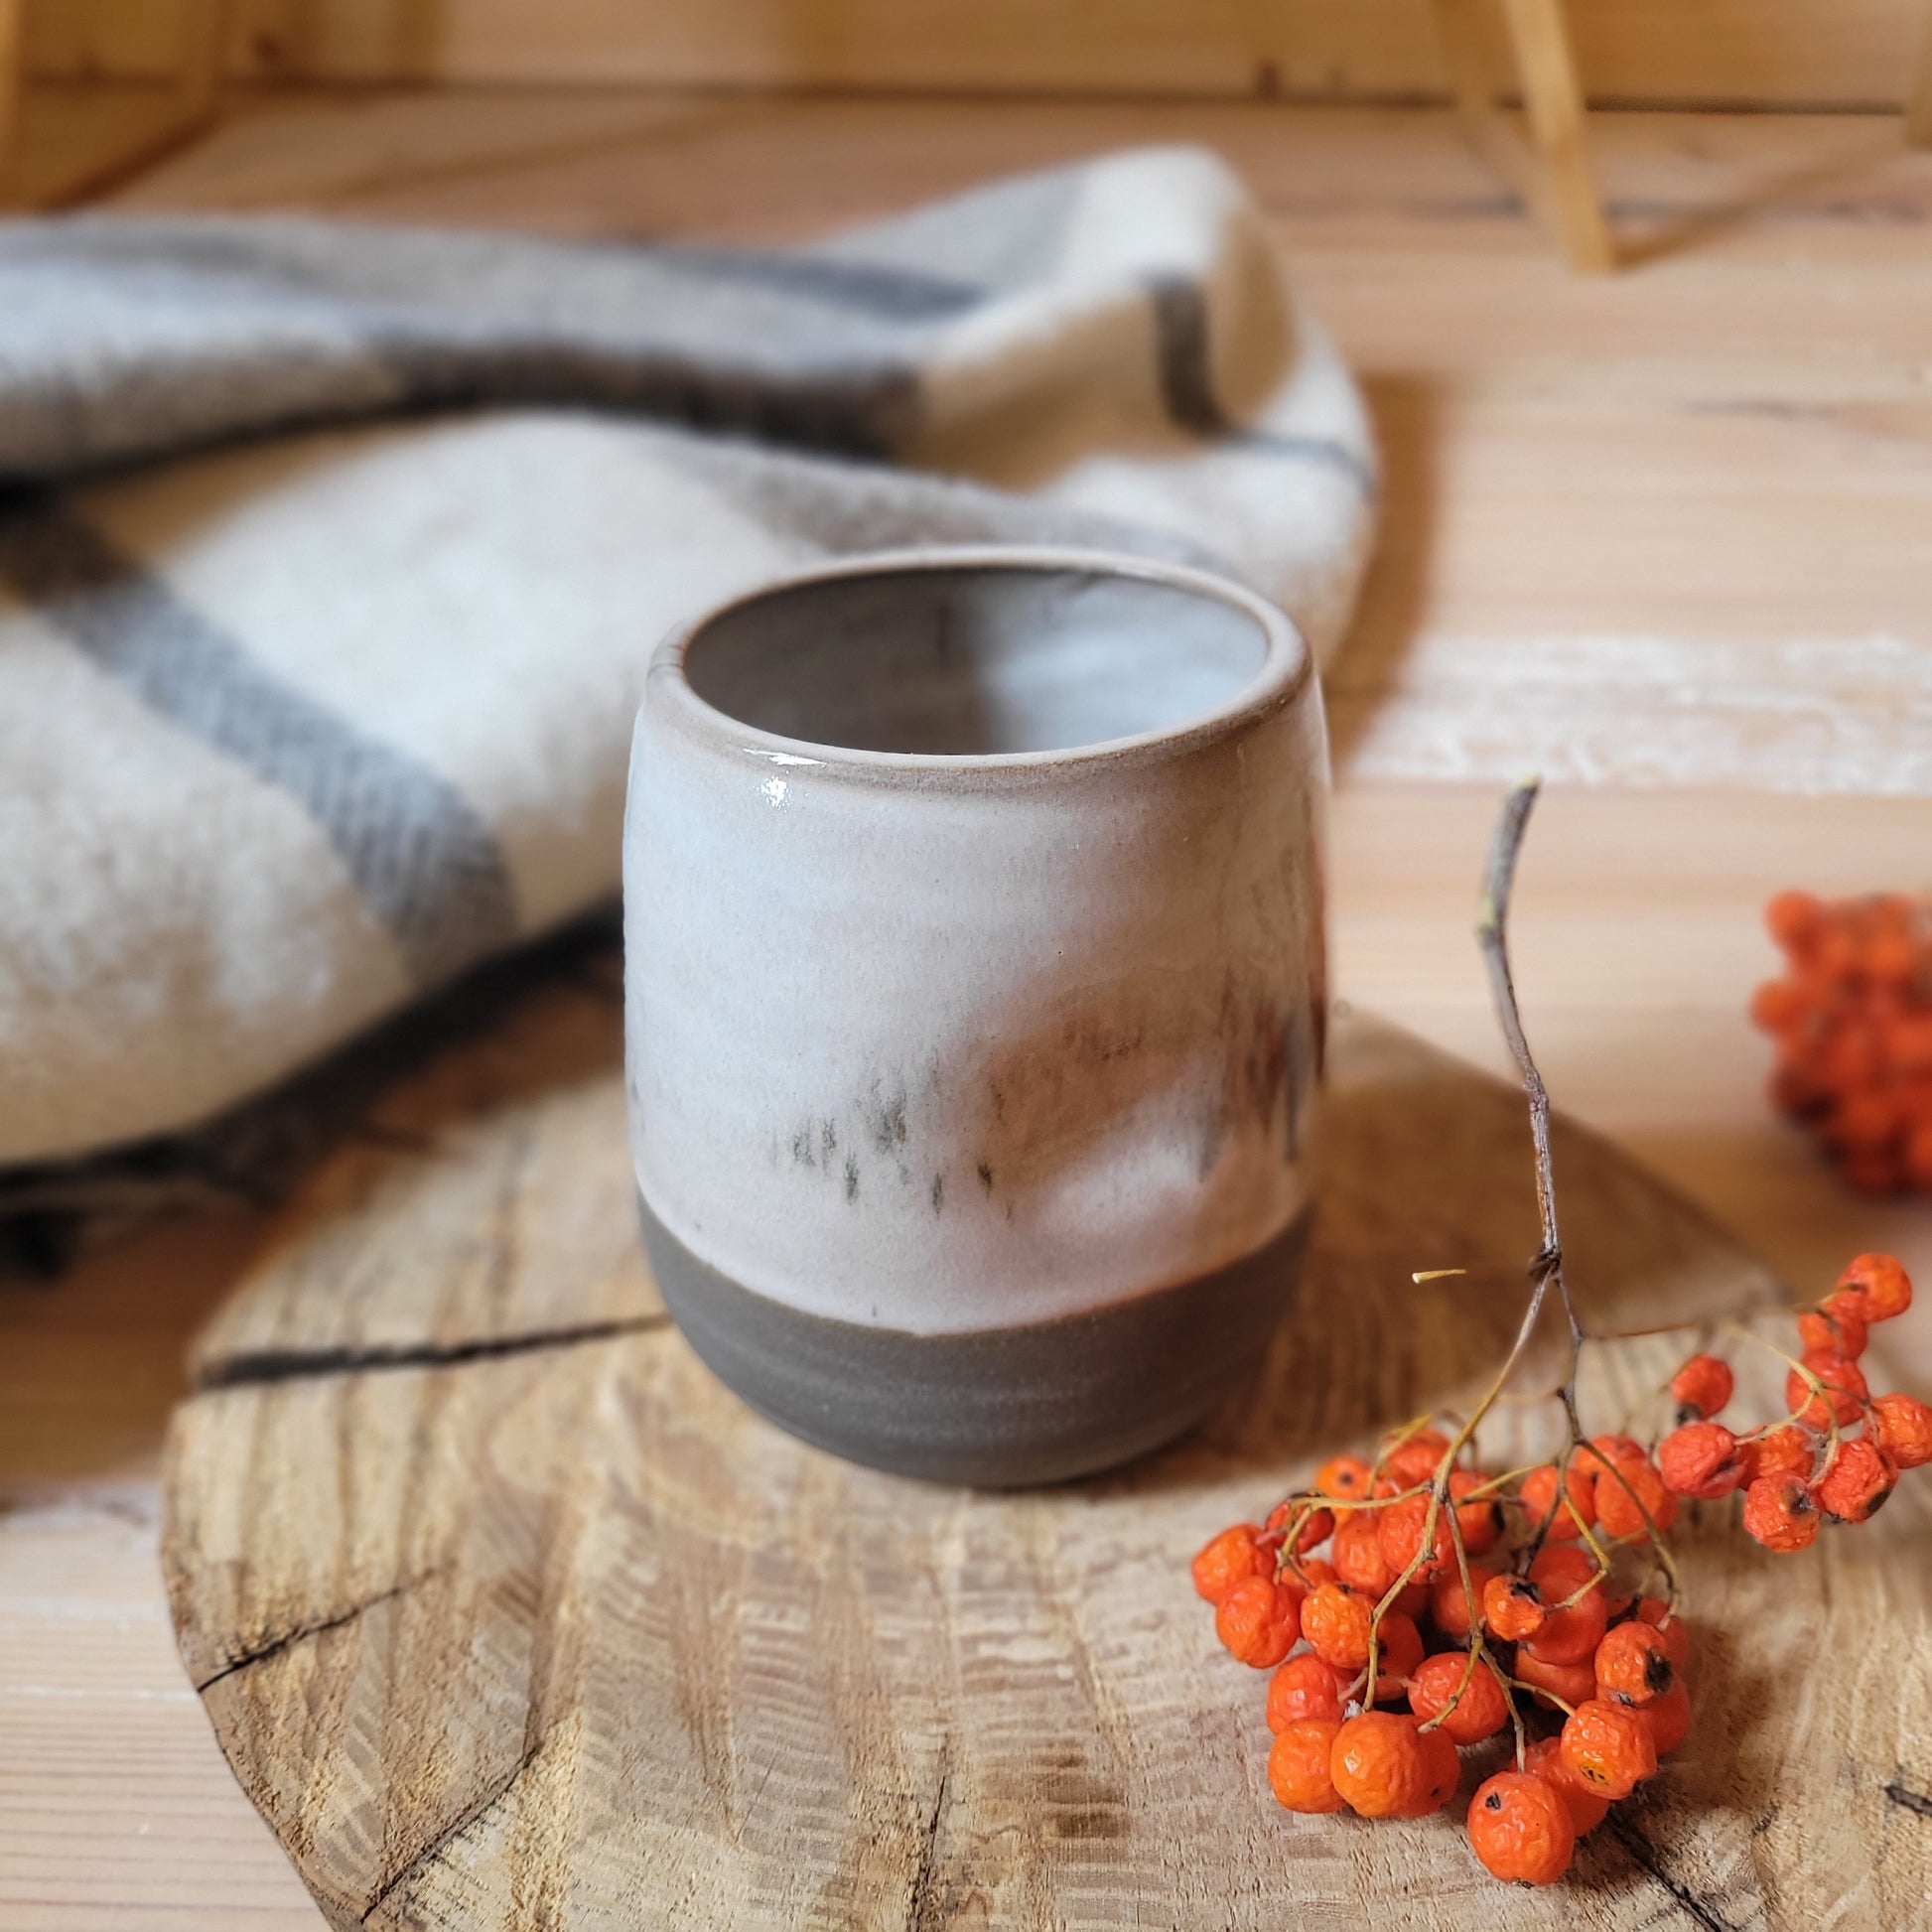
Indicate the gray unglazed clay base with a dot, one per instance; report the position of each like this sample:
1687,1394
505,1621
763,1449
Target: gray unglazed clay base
996,1408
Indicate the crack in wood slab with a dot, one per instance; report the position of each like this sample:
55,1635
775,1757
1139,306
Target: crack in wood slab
923,1911
277,1645
1899,1793
1639,1848
457,1827
251,1368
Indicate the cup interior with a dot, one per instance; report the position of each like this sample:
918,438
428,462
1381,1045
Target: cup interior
976,659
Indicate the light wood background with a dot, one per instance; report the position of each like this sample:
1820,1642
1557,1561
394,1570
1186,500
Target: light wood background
1835,53
1727,454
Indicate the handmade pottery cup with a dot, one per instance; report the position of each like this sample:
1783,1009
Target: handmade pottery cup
974,1000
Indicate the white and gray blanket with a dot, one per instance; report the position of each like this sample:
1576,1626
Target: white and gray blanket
331,558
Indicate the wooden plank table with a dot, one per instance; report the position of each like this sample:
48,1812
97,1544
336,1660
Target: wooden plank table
1719,467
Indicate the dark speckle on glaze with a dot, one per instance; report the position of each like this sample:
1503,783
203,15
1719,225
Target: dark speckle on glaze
801,1146
986,1177
828,1141
851,1178
938,1193
888,1122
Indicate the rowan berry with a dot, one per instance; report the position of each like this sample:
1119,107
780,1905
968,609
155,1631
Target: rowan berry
1452,1609
1402,1526
1778,1006
1310,1571
1608,1747
1564,1520
1571,1631
1521,1828
1703,1384
1512,1608
1570,1684
1299,1764
1883,1287
1830,1330
1845,1391
1668,1718
1316,1525
1855,1482
1674,1633
1796,919
1414,1460
1228,1559
1357,1554
1588,1809
1701,1459
1398,1653
1904,1425
1335,1621
1411,1599
1468,1711
1631,1498
1347,1479
1787,1450
1384,1767
1480,1521
1633,1665
1303,1687
1779,1513
1258,1620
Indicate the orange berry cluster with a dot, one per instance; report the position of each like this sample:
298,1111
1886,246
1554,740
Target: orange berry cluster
1451,1622
1837,1455
1460,1599
1852,1019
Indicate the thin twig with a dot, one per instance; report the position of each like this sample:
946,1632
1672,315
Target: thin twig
1492,935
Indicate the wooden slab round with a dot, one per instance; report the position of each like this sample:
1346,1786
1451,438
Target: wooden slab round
507,1615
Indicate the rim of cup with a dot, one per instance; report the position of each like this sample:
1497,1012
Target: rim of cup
1285,668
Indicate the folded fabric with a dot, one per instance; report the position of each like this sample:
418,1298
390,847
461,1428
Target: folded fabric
331,558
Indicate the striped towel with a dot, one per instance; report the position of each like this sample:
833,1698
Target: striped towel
331,558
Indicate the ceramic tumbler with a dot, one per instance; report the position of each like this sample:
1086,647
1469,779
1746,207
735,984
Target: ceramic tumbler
975,1000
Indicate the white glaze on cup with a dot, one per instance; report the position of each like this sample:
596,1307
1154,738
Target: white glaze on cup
974,938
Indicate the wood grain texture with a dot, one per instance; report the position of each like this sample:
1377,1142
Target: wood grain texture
507,1615
1748,51
1719,458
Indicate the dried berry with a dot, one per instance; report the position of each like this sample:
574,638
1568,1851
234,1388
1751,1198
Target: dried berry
1258,1621
1633,1665
1904,1425
1608,1747
1703,1385
1564,1520
1468,1702
1521,1828
1779,1513
1855,1482
1303,1687
1384,1767
1701,1459
1228,1559
1299,1763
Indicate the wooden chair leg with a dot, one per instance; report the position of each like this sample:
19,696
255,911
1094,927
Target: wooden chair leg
12,80
1918,108
1553,97
1552,172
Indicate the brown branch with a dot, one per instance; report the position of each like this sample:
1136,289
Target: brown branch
1492,935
